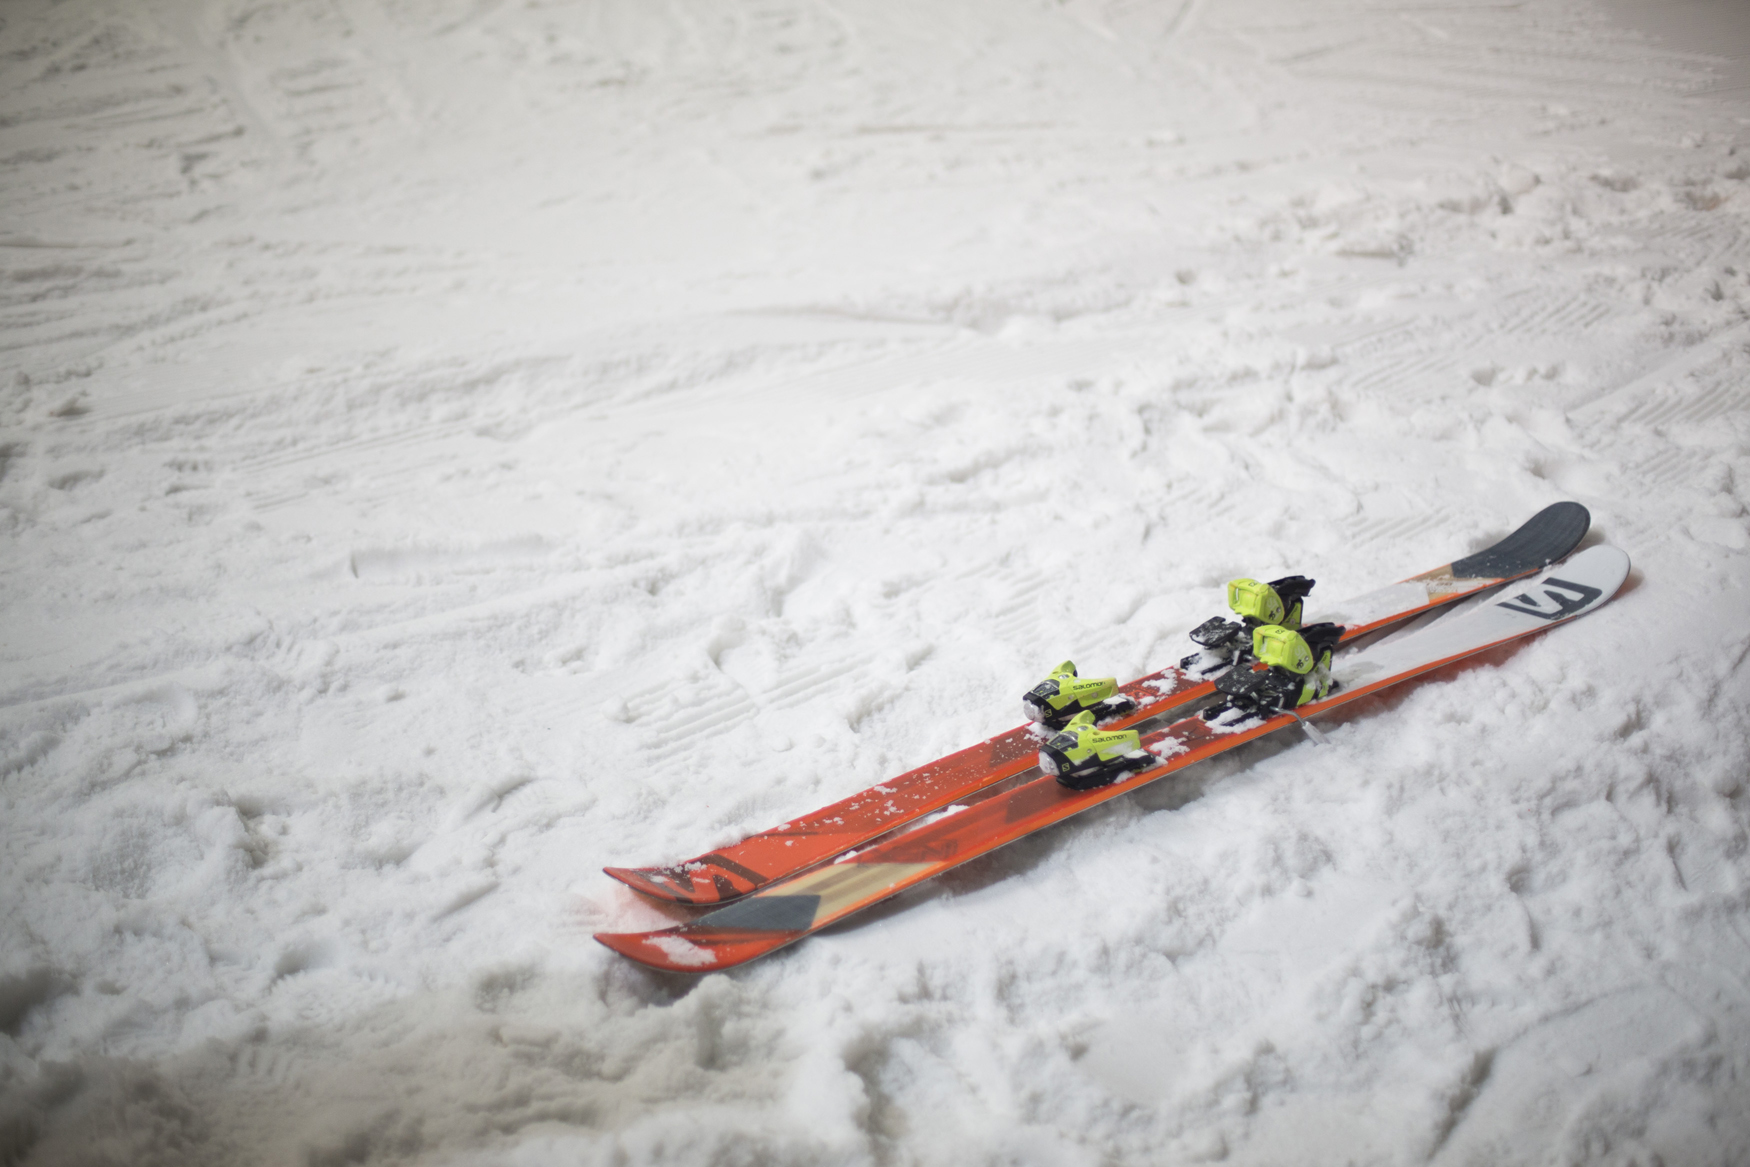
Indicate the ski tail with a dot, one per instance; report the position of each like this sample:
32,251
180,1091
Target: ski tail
708,879
790,909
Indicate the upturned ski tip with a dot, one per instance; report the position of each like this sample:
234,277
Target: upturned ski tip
1549,535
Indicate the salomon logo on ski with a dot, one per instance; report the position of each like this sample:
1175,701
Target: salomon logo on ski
1582,595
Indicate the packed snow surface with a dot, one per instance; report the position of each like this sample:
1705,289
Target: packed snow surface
447,447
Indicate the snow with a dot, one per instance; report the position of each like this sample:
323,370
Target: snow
447,448
684,951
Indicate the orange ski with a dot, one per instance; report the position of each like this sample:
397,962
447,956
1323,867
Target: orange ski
732,872
791,909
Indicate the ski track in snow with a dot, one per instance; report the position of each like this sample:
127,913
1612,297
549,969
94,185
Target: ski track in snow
446,448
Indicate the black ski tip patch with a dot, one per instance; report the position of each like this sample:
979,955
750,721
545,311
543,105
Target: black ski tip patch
1546,537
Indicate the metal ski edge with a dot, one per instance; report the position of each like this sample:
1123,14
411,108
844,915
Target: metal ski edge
805,903
732,872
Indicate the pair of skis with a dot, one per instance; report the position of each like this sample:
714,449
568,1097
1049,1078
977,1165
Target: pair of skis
787,889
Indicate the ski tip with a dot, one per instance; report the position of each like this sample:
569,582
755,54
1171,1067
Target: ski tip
1561,593
1563,522
1605,566
1547,536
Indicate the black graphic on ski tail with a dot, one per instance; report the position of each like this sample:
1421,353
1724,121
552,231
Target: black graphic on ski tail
1547,536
